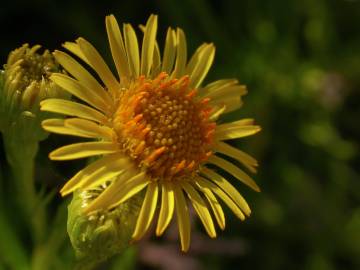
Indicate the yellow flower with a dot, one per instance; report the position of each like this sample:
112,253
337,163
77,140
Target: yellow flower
155,128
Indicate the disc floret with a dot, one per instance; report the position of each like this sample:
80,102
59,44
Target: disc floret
164,127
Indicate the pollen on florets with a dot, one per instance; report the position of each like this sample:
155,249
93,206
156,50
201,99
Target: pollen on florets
163,126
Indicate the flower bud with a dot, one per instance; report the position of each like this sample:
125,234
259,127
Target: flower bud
24,83
101,234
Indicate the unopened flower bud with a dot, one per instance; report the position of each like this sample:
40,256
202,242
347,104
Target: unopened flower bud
24,83
101,234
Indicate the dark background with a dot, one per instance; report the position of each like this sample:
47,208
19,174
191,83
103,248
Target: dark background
301,63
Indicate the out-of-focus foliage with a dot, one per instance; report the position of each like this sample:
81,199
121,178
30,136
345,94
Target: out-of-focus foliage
301,63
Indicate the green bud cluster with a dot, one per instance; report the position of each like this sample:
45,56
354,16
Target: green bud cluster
101,234
24,83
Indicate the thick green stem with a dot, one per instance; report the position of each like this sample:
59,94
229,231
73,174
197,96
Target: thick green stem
21,158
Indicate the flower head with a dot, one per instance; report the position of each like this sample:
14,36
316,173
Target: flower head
25,83
154,127
105,232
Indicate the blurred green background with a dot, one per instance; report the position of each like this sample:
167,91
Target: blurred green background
301,63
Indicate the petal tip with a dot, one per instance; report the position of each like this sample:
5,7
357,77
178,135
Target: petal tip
135,238
213,235
42,103
185,249
64,191
51,155
159,232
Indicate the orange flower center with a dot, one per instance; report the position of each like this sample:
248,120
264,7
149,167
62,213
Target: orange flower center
164,127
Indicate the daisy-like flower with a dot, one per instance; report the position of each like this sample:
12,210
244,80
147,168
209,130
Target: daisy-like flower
154,127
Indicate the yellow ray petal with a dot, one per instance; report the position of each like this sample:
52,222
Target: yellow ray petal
84,77
235,132
156,65
58,126
156,62
216,112
225,86
99,65
148,45
91,128
103,174
72,108
182,214
195,58
82,150
202,65
224,92
167,207
133,186
248,161
215,206
181,54
77,127
78,180
203,183
75,49
231,103
235,171
217,86
201,208
115,169
132,49
169,51
118,192
147,211
242,122
221,94
117,47
228,188
75,88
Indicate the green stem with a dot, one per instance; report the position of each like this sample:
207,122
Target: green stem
12,253
21,158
